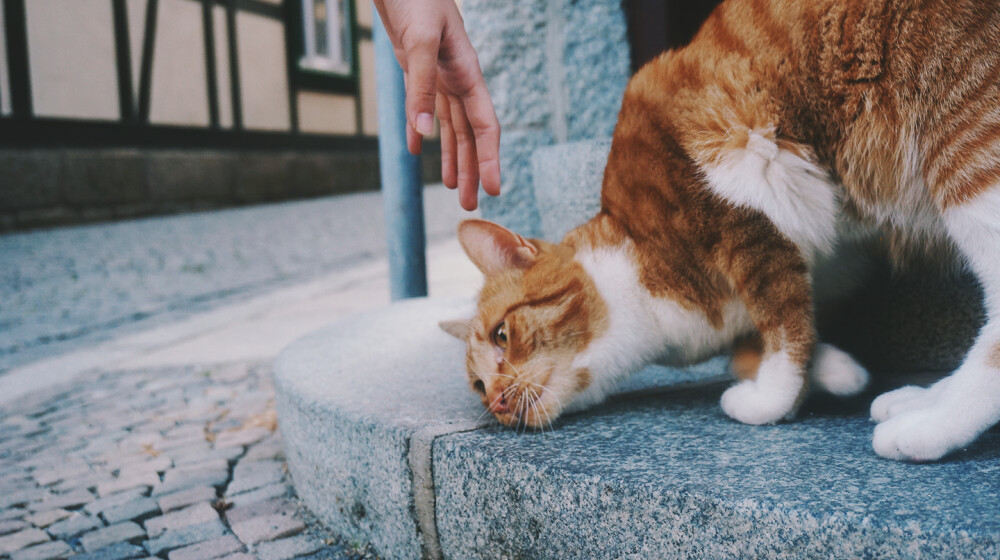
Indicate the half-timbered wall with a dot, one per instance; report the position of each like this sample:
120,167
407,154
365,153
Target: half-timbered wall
125,91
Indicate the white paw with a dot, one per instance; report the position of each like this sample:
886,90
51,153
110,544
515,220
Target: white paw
919,435
750,403
901,400
836,372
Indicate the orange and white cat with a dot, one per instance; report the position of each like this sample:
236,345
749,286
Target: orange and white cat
739,165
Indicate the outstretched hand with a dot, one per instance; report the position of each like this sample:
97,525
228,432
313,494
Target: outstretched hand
442,74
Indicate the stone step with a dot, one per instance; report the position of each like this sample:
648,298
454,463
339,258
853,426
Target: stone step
386,444
567,181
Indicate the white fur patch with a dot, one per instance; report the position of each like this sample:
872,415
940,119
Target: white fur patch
642,327
924,425
794,193
770,397
836,372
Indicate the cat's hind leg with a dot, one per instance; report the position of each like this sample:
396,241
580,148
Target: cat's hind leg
770,276
955,411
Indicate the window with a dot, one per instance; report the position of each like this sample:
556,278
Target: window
326,36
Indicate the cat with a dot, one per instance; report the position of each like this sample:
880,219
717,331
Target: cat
740,164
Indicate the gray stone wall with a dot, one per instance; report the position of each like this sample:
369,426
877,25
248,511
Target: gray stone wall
50,187
556,70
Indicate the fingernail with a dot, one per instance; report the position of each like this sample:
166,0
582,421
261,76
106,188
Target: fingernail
425,124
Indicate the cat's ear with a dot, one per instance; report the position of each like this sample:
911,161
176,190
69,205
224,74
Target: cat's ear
456,328
494,248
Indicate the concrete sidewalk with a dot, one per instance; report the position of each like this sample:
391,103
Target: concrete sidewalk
156,437
72,288
255,329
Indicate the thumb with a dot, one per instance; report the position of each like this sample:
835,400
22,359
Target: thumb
421,84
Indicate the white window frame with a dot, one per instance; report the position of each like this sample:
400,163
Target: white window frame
337,62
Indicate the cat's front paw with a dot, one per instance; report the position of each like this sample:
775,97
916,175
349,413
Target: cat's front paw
899,401
751,403
919,435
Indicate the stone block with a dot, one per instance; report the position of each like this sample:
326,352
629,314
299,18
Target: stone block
123,532
241,437
74,526
285,549
48,551
258,509
129,480
516,207
267,528
44,519
120,551
671,476
54,474
185,536
596,66
203,466
253,475
21,539
567,184
209,549
22,497
358,425
259,495
184,498
192,515
270,449
115,500
13,513
72,500
9,526
510,39
138,511
347,427
193,479
239,556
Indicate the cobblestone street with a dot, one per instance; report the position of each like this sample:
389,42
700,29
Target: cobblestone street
182,463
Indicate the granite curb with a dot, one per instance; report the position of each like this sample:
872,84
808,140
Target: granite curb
398,454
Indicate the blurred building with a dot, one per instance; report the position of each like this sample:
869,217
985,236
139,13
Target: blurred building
119,108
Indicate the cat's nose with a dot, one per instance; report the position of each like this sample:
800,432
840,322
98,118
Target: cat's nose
498,404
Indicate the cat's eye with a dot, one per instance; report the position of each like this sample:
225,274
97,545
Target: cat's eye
500,335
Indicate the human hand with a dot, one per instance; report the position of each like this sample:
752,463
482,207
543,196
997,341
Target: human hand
442,74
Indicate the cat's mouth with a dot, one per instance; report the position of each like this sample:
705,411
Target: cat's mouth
523,410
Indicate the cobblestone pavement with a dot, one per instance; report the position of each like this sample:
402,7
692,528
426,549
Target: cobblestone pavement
71,287
178,463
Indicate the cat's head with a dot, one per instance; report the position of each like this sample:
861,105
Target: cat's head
538,310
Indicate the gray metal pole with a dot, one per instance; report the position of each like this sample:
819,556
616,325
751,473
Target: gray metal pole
401,185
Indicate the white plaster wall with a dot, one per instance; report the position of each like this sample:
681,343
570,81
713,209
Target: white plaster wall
263,72
4,71
366,60
178,93
364,12
71,51
326,114
222,80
